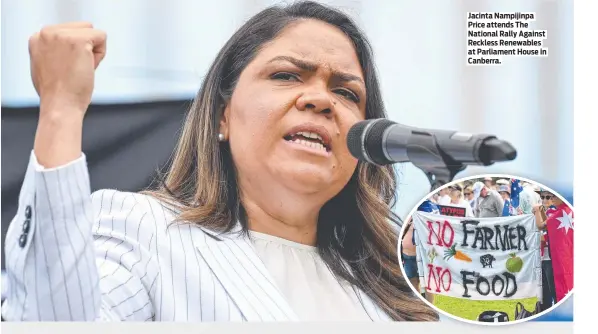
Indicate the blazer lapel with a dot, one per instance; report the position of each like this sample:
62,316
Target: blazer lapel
233,260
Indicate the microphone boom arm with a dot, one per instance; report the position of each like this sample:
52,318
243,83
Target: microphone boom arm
425,154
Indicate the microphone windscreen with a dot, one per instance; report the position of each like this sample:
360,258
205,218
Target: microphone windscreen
365,140
496,150
354,140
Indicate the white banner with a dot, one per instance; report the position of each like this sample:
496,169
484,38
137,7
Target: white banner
478,259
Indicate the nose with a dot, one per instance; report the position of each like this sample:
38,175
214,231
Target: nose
316,100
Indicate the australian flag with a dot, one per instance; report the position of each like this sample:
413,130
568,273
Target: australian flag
516,189
508,209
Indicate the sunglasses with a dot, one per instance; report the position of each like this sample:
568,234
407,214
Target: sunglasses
467,194
546,197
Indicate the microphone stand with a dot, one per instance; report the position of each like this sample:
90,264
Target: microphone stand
439,167
440,175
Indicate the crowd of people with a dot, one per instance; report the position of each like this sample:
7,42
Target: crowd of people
498,197
489,197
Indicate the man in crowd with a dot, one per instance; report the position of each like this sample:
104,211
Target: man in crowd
503,182
488,182
488,201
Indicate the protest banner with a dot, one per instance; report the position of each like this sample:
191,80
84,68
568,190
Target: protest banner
478,259
455,211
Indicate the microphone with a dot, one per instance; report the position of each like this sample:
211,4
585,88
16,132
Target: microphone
383,142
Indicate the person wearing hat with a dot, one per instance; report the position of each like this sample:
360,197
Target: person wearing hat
546,197
548,288
505,192
558,222
489,182
489,203
503,182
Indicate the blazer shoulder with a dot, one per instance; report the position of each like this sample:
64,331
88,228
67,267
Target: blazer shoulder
114,204
110,205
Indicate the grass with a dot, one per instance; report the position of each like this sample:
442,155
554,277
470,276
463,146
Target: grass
471,309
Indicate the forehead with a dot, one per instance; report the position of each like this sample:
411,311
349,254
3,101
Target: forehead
315,41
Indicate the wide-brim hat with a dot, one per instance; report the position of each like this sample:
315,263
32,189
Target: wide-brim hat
477,189
504,189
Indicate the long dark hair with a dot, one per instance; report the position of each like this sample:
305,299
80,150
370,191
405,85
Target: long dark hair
355,227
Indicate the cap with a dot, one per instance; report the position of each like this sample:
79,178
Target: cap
477,188
505,189
488,179
503,181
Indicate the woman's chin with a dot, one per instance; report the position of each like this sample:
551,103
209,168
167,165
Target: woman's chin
307,177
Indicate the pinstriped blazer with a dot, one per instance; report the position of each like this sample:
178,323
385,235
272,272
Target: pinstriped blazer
76,256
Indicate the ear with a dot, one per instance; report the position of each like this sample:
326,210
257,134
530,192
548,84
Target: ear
224,121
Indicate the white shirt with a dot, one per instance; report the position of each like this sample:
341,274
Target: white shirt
444,200
464,204
304,279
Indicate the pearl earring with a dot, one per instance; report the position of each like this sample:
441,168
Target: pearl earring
220,137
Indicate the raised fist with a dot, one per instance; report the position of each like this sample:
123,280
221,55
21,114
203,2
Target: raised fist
63,62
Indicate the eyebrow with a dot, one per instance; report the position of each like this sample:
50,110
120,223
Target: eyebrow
312,67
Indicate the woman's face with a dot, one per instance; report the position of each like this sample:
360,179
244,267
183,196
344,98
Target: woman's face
455,196
291,109
546,199
468,193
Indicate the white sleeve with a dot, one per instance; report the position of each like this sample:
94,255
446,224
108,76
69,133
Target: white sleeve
57,270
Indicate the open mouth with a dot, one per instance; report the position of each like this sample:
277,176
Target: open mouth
309,139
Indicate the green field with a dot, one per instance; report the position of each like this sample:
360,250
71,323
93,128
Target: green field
471,309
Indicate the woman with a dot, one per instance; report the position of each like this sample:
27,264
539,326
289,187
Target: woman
409,255
444,197
263,215
468,195
505,193
548,291
558,223
458,200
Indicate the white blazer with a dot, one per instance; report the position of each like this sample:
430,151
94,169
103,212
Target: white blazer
76,256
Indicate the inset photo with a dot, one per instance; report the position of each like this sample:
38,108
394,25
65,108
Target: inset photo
490,249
